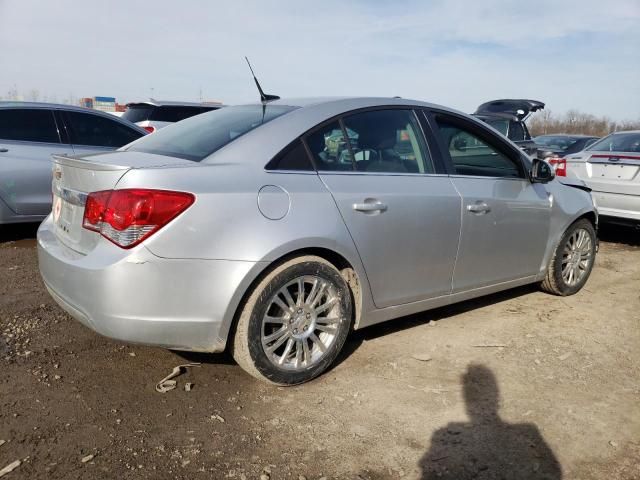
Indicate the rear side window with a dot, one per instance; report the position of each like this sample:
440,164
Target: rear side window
198,137
473,153
381,141
516,132
388,141
173,113
29,125
294,157
98,131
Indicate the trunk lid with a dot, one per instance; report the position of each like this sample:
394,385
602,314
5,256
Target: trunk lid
608,172
521,108
75,177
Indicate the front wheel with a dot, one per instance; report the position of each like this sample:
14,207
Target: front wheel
572,261
294,323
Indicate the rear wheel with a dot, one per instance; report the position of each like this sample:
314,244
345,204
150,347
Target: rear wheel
294,323
572,261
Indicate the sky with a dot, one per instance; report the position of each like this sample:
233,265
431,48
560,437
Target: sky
571,54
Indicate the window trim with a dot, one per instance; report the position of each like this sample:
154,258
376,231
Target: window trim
55,123
428,137
485,135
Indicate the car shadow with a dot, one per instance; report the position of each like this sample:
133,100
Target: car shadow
486,446
357,337
24,233
618,233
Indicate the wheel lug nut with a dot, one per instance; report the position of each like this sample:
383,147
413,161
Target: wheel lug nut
295,330
308,315
305,328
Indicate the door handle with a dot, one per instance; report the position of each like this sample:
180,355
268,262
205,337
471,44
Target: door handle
3,150
479,207
369,207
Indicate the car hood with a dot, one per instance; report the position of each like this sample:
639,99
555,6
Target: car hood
521,108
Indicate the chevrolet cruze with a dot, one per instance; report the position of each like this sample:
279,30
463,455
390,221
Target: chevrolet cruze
274,229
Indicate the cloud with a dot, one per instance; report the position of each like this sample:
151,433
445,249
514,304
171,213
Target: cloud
571,54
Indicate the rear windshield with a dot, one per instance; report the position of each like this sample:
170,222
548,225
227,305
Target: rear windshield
556,142
198,137
138,113
618,142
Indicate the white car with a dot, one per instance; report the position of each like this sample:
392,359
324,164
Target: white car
156,114
611,168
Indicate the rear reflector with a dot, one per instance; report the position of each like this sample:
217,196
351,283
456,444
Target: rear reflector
127,217
150,129
559,165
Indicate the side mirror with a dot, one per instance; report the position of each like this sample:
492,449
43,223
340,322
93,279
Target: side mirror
541,171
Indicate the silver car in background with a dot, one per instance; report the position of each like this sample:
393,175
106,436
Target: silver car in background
611,168
30,133
274,229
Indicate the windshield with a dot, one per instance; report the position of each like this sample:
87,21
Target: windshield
198,137
138,113
501,125
618,142
556,142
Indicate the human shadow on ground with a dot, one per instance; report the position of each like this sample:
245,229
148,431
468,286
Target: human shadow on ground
487,447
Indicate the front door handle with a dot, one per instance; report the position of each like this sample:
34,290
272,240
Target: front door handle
3,150
479,207
369,207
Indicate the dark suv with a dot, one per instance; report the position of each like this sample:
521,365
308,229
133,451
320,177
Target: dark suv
508,117
156,114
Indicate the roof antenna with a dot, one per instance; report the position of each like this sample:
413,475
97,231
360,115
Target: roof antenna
264,97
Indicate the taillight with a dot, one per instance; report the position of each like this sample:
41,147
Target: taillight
150,129
559,165
128,216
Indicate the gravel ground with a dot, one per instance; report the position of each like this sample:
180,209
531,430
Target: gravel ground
515,385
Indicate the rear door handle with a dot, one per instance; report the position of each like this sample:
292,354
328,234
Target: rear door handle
369,207
3,150
479,207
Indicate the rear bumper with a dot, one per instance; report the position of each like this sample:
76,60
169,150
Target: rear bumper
135,296
618,205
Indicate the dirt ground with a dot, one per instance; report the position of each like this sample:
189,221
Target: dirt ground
515,385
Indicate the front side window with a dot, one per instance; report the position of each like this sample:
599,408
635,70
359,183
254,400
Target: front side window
28,125
381,141
473,154
198,137
98,131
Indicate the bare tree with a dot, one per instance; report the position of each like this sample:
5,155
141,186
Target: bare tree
574,121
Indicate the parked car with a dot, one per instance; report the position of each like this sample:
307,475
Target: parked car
611,168
156,114
246,228
30,133
508,117
558,145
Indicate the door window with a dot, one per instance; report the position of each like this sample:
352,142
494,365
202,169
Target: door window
329,148
473,153
29,125
388,141
99,131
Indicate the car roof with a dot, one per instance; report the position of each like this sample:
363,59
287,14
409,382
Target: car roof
58,106
175,103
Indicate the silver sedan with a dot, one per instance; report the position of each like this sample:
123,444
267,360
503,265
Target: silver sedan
274,229
611,168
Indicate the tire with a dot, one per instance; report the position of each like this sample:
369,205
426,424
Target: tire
580,237
269,337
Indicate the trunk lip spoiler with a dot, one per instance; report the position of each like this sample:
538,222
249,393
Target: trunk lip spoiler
81,162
